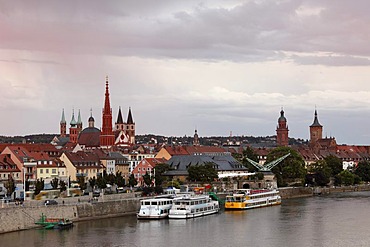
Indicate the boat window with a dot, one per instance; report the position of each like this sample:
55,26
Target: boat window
154,203
147,203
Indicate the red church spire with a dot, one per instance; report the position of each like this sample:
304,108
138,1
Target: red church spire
107,136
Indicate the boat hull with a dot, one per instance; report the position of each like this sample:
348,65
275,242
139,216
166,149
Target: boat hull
249,199
191,215
151,217
238,206
154,208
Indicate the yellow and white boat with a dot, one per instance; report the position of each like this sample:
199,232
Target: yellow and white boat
248,199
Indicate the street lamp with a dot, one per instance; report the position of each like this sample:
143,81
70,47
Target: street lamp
24,183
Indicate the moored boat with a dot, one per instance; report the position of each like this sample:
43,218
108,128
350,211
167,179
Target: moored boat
54,223
191,206
154,208
248,199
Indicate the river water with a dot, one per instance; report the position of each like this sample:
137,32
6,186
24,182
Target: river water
341,219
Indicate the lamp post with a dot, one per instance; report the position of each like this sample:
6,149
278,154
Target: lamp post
24,183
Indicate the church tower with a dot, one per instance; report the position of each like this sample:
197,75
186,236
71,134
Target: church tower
120,125
196,139
91,120
130,127
107,136
282,130
79,122
63,126
73,130
315,130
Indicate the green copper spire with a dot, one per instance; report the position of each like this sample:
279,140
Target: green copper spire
73,122
79,121
63,121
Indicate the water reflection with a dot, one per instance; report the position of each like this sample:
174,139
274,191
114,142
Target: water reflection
333,220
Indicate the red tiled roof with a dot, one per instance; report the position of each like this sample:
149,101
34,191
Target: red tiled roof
89,159
148,162
7,164
176,150
20,152
204,149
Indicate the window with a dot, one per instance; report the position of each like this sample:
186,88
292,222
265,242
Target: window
41,171
54,171
47,171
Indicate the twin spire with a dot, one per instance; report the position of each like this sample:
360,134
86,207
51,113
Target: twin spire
107,136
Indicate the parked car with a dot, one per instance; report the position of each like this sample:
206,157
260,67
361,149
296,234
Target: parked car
51,202
96,193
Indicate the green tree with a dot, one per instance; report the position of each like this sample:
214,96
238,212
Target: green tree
147,179
159,170
250,154
81,182
10,186
335,164
27,185
363,170
63,186
101,182
120,181
203,173
289,171
132,180
92,182
54,183
321,173
39,185
346,177
110,178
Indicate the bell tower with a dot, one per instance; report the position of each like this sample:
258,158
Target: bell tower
282,130
73,130
63,126
107,136
130,127
315,130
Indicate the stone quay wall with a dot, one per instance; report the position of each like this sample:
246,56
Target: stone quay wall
294,192
15,218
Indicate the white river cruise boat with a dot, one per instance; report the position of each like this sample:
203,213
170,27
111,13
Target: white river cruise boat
155,208
248,199
191,206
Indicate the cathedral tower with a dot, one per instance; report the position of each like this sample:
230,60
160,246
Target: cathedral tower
282,130
73,130
120,124
79,122
63,126
315,130
196,139
130,127
107,136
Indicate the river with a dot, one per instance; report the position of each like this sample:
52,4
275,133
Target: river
340,219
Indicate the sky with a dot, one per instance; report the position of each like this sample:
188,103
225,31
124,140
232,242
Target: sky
221,67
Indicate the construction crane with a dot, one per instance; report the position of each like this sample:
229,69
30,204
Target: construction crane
269,166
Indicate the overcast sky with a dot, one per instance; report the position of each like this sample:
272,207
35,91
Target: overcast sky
219,66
